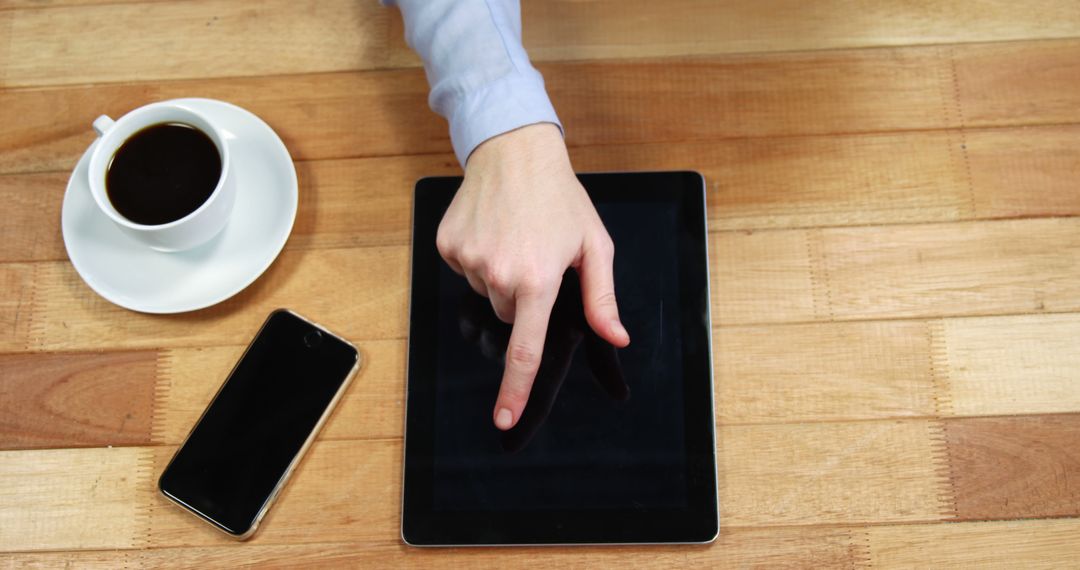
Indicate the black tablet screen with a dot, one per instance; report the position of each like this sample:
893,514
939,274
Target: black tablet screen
613,431
609,437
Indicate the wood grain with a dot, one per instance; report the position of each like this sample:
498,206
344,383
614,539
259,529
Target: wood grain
16,305
351,203
773,374
835,180
894,270
349,490
1008,84
734,548
71,400
1011,544
823,372
1029,172
953,269
317,115
382,113
24,4
614,28
804,474
754,95
1012,365
828,473
753,184
81,498
204,38
761,277
213,38
385,112
360,293
31,229
343,203
343,491
775,276
372,408
1015,467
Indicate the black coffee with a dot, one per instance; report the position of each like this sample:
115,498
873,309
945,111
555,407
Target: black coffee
163,173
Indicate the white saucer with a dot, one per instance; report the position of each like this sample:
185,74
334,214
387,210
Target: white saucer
132,275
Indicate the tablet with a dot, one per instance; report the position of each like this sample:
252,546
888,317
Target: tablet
614,446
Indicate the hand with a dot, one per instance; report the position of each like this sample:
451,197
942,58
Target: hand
519,220
566,332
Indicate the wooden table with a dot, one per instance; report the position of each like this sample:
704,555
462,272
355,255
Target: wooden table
893,197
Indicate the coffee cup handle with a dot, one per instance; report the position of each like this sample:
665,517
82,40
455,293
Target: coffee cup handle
102,124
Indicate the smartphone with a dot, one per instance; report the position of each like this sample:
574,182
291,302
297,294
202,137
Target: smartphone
249,439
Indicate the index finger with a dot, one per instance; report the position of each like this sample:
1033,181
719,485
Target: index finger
523,356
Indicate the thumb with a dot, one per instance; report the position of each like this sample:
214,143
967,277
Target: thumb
598,291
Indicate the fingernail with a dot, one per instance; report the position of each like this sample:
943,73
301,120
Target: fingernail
620,330
503,419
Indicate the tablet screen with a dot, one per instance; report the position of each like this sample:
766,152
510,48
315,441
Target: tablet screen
613,438
607,432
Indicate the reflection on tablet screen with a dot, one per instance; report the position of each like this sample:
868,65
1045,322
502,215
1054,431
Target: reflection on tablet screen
603,428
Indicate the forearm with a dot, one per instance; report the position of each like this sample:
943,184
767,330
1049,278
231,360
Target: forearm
481,79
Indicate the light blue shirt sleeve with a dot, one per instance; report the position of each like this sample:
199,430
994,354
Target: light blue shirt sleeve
480,76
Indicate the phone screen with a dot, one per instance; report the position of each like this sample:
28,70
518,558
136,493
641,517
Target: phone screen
259,422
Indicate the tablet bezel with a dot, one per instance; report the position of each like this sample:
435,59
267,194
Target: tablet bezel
698,523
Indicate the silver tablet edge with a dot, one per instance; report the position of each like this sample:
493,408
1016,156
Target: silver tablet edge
712,396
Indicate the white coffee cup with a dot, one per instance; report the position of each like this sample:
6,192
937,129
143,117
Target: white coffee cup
192,230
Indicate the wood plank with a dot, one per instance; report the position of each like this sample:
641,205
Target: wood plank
373,407
25,4
50,46
31,230
824,372
814,181
774,276
80,498
349,203
1011,365
349,490
317,115
385,112
827,473
359,293
761,277
810,547
619,28
1014,467
1024,172
204,38
1017,83
1006,545
679,100
343,491
5,44
16,305
343,203
846,473
753,184
976,366
71,400
977,268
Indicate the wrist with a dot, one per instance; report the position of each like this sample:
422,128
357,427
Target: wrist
524,144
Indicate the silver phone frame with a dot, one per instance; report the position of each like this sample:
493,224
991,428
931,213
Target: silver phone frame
299,454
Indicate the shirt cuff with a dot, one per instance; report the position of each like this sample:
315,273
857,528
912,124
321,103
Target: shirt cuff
498,107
